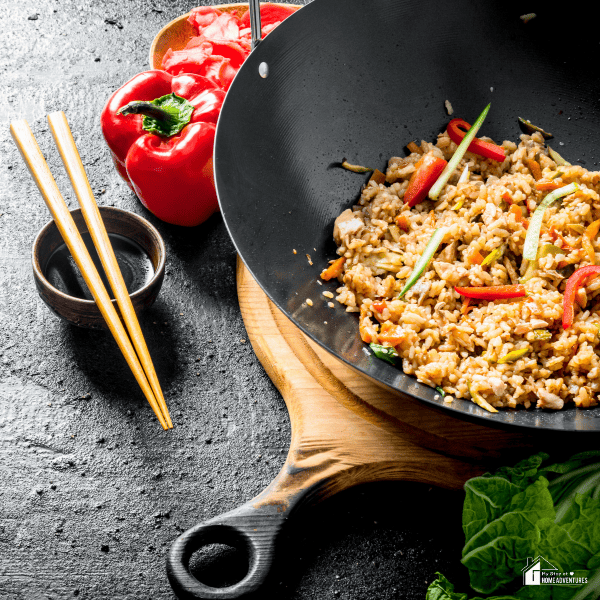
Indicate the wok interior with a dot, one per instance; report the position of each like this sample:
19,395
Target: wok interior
359,79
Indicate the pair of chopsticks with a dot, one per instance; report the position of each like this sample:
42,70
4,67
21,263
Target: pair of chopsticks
32,155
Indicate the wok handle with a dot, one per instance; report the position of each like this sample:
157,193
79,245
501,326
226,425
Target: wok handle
255,28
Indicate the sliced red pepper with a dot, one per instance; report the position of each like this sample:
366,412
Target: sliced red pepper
423,179
493,292
575,282
457,129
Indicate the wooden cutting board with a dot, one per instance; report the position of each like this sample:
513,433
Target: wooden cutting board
345,431
350,430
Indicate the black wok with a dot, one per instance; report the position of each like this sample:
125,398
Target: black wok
360,79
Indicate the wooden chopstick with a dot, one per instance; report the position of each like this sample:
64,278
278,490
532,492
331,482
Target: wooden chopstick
42,176
72,161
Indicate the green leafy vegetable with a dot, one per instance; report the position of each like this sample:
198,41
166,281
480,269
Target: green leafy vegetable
530,510
386,353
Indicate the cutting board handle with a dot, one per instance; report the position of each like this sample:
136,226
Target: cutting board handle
253,527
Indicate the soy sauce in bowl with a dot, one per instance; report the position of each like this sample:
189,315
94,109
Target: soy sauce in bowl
134,262
140,253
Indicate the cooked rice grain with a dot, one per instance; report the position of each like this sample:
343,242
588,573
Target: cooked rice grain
440,345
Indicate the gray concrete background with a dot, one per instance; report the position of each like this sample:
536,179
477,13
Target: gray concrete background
92,491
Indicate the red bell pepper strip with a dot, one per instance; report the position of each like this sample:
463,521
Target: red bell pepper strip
160,130
423,179
493,292
573,284
457,128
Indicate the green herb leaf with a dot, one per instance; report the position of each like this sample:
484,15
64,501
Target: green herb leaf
386,353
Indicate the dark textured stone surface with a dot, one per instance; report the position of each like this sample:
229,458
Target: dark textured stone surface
93,491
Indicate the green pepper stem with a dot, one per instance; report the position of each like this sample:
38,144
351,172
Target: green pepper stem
139,107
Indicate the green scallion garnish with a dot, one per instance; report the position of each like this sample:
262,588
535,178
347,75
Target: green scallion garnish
423,261
355,168
557,158
440,391
435,191
493,256
532,239
513,356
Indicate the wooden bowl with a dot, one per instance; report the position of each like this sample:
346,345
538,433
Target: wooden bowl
82,312
177,33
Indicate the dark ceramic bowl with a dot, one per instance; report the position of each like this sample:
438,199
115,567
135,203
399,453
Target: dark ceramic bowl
82,312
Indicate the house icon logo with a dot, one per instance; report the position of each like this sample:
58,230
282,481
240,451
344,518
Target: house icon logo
536,569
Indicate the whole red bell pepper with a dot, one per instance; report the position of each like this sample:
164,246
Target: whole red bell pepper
429,168
457,129
160,130
573,284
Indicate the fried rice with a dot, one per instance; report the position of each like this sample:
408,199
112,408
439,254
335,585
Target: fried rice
440,340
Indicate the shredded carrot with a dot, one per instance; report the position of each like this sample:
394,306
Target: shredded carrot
391,334
334,269
414,148
402,222
475,258
548,186
466,306
534,167
377,176
518,212
592,230
379,306
507,198
556,235
586,244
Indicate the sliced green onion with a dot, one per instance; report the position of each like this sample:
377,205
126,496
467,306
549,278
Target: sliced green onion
464,176
532,239
435,191
529,127
354,168
526,18
386,353
493,256
440,391
459,204
533,265
555,175
513,356
542,335
423,261
557,158
480,400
